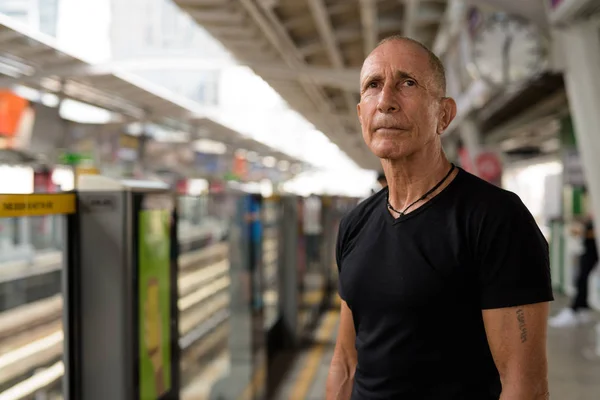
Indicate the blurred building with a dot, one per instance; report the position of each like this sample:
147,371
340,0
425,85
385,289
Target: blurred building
41,15
144,32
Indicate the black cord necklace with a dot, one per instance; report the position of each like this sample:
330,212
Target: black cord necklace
402,213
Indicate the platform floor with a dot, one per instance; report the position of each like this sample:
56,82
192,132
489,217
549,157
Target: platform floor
574,369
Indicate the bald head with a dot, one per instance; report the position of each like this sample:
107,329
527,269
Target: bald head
437,68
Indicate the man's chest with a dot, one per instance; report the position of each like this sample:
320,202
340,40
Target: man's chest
400,269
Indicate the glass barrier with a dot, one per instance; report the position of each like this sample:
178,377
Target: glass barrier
31,334
204,292
31,266
271,247
31,297
24,237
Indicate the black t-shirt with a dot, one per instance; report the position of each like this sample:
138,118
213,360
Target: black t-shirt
417,286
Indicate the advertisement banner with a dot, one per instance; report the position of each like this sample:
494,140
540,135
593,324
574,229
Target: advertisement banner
154,303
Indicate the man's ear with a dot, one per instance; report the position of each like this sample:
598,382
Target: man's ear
447,114
358,112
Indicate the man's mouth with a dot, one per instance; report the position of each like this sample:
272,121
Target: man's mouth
389,129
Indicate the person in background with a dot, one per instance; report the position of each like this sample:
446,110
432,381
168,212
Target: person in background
381,184
312,229
579,310
381,180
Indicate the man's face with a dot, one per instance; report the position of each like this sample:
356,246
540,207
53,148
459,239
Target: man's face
401,109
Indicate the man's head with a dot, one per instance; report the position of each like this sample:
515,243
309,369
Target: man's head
403,108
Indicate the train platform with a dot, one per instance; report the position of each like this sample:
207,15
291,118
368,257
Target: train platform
574,365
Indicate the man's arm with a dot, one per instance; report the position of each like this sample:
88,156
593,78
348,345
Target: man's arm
341,372
517,339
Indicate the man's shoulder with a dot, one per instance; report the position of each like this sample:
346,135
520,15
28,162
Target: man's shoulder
489,203
487,196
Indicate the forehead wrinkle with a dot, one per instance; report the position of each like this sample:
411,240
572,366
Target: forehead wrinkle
430,81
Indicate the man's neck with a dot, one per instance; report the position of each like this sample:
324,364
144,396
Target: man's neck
411,178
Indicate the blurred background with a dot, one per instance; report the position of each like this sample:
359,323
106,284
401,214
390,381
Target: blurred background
259,97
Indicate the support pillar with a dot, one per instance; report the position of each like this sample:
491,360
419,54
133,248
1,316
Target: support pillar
581,46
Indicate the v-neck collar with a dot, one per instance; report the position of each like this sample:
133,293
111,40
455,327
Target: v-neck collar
422,208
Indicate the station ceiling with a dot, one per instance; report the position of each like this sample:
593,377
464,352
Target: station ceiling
311,51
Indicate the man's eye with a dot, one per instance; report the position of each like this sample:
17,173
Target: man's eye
372,85
409,83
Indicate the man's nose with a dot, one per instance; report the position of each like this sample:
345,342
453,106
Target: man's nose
388,103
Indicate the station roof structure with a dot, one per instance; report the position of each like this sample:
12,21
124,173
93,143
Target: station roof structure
34,60
311,51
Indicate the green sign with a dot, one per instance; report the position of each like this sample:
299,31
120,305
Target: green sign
73,158
154,303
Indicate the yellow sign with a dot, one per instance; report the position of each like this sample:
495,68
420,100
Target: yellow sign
80,170
28,205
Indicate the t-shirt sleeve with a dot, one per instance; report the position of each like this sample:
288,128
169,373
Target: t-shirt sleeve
512,258
339,254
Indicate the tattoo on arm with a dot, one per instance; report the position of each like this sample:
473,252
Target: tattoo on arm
522,327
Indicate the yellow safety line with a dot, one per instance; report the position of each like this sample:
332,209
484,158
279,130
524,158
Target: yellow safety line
314,357
255,384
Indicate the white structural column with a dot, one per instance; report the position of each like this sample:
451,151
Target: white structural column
581,46
411,7
369,21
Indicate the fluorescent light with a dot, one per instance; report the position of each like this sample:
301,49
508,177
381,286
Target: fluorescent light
197,186
50,100
283,165
241,153
209,146
16,179
269,162
266,188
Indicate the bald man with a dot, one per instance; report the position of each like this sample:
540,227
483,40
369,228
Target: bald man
444,278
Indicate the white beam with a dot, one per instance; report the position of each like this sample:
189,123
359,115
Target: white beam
411,8
369,22
428,13
450,27
353,32
325,29
277,35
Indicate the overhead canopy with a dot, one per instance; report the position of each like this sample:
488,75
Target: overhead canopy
35,60
311,51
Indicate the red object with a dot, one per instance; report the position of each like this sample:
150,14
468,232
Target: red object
12,108
240,166
182,187
489,166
